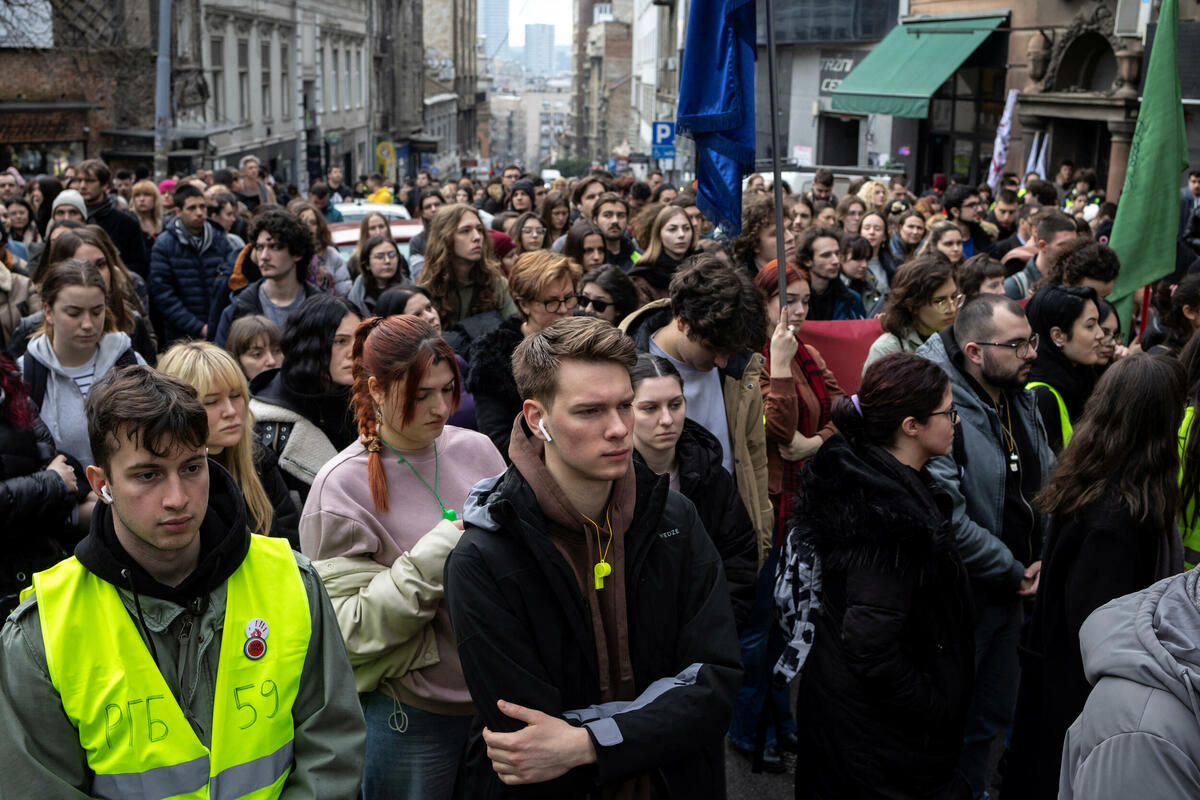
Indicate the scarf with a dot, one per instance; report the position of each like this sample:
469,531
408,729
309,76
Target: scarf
808,424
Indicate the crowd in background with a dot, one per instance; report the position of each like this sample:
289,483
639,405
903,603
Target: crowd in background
924,554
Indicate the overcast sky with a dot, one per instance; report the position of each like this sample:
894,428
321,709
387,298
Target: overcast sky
522,12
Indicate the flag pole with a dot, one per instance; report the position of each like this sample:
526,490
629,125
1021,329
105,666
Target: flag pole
777,182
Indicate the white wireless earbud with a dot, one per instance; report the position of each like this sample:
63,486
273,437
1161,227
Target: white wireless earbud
106,494
542,428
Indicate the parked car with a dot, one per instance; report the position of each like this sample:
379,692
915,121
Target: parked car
345,235
354,211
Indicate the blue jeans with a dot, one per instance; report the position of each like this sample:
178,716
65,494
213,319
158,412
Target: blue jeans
762,644
997,678
410,753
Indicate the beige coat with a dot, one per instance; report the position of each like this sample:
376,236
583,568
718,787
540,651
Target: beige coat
385,612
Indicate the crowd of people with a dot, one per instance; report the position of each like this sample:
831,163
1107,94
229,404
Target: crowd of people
234,558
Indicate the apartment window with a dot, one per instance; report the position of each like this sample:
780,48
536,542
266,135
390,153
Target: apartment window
335,83
217,60
243,63
265,73
285,80
346,78
358,81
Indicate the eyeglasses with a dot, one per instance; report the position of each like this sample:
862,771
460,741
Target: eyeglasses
946,304
951,412
553,304
973,204
390,255
1110,338
600,305
534,231
1023,347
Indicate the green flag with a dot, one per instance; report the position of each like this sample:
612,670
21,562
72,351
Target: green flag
1147,222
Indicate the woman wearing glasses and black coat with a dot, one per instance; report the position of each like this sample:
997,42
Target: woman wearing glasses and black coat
1066,320
884,691
542,284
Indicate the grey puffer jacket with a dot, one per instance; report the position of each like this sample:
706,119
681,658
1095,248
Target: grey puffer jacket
1139,733
978,490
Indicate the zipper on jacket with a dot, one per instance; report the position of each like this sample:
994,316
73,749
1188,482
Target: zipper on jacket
186,629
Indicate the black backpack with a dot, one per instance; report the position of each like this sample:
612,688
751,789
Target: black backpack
36,374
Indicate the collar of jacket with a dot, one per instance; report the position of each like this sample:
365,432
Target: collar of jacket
224,542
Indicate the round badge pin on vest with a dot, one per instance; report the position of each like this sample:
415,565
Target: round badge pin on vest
257,627
255,648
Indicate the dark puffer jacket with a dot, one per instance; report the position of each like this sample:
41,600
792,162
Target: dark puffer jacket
705,482
34,508
490,381
884,693
182,278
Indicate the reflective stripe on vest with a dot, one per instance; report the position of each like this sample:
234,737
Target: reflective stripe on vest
136,738
1064,418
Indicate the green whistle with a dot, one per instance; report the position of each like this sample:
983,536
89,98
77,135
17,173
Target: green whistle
450,515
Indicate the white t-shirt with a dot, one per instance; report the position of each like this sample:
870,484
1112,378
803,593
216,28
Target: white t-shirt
705,402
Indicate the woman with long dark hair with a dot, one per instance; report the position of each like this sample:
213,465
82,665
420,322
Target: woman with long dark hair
585,245
1066,320
1180,305
1112,498
328,270
886,685
381,518
382,268
301,408
556,215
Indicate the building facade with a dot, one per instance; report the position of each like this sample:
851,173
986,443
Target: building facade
492,27
659,32
1076,67
539,50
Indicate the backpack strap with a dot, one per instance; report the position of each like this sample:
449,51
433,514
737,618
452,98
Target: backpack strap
126,359
36,374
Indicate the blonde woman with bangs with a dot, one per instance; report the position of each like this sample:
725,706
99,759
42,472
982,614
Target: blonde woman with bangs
147,205
223,391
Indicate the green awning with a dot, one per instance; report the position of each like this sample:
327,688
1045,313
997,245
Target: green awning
904,70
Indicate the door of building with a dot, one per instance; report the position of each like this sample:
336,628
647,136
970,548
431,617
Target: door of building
839,141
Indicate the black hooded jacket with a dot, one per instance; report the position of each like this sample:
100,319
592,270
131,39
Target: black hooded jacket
524,635
705,482
884,693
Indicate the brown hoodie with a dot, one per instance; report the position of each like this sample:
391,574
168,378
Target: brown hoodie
576,540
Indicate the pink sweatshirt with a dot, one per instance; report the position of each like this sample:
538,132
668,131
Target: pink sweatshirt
339,519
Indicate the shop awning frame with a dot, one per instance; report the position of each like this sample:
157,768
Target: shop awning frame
902,72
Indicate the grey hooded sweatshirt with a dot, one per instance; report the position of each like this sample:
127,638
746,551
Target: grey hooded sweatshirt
1139,733
63,407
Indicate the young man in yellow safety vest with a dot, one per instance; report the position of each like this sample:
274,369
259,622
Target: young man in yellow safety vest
175,655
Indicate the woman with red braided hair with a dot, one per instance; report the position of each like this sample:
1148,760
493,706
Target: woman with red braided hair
378,524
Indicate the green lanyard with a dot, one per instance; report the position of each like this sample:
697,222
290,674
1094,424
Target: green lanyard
447,513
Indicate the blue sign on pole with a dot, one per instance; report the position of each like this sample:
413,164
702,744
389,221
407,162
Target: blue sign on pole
611,165
662,139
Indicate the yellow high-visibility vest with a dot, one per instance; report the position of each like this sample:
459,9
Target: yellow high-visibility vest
1064,419
136,738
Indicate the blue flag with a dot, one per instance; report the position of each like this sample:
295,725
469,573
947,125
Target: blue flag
716,104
